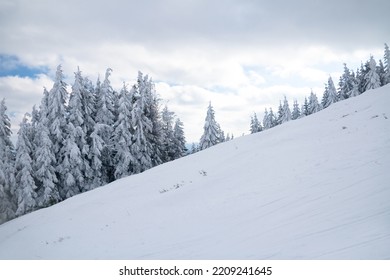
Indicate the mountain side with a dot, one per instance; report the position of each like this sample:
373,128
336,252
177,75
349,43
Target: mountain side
314,188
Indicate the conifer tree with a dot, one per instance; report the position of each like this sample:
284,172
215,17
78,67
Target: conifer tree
105,119
211,130
122,137
387,65
345,84
141,148
286,113
296,112
44,164
330,94
179,139
168,137
25,184
56,112
305,109
372,79
7,161
313,104
255,125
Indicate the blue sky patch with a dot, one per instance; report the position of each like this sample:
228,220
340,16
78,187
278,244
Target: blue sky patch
10,65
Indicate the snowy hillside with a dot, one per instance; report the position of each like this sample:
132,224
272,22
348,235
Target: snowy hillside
315,188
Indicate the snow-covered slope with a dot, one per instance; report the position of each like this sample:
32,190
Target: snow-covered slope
315,188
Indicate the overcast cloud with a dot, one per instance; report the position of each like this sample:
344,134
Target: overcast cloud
241,55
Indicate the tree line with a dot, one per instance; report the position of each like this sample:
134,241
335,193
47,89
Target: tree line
77,141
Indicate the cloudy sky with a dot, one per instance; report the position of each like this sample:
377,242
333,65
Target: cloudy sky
242,55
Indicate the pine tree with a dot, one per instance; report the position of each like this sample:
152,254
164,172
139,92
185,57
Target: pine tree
105,118
255,125
26,188
56,112
372,79
296,112
387,65
330,94
380,69
280,113
313,104
7,160
272,118
345,84
80,112
122,137
168,137
44,165
286,113
305,109
179,140
211,130
141,148
266,123
151,111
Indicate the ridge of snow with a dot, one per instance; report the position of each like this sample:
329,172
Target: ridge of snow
313,188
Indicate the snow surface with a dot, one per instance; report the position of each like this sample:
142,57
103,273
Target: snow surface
314,188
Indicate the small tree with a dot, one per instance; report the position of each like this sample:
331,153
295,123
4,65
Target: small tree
211,130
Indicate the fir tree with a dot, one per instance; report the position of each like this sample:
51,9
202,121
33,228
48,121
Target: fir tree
7,160
313,104
386,79
141,148
255,125
123,159
330,94
296,112
372,79
179,140
105,118
44,164
286,113
211,130
305,108
56,112
26,188
168,137
345,84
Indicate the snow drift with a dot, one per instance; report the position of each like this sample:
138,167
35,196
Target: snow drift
314,188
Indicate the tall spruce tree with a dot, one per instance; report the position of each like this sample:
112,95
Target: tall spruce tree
211,130
179,139
372,79
387,64
25,183
7,161
296,112
168,137
286,113
123,159
255,125
313,104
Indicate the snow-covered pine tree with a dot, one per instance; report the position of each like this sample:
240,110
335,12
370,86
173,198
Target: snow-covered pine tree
80,115
380,69
255,125
286,113
305,109
179,139
25,184
7,161
361,74
56,112
313,105
141,148
104,119
151,111
167,132
280,114
296,112
211,130
372,79
44,164
330,94
266,121
387,65
272,118
122,137
345,84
